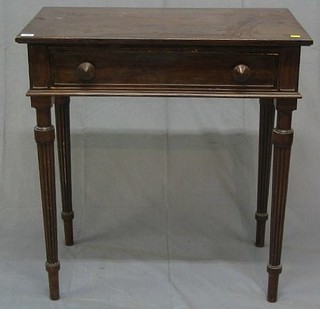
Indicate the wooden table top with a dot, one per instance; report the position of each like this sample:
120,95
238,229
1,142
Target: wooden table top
268,27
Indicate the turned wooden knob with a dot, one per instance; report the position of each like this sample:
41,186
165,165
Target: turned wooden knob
85,71
241,73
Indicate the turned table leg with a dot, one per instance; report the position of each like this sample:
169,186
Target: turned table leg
63,140
265,151
282,140
44,136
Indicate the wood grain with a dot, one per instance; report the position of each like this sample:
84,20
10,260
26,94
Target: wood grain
165,26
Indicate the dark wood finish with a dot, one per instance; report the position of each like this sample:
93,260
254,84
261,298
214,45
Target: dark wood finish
44,136
39,67
265,151
289,69
133,68
180,71
62,113
282,141
156,71
230,53
232,27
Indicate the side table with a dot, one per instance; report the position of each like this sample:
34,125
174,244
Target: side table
229,53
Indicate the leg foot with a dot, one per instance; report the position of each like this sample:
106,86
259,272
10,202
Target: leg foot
261,228
273,282
53,276
67,218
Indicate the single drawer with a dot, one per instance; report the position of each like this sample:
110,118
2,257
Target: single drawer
164,67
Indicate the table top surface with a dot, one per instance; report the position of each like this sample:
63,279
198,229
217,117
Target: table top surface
60,25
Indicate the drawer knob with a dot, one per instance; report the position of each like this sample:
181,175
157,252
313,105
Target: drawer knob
85,71
241,73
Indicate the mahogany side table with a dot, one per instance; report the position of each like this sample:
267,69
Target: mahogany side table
229,53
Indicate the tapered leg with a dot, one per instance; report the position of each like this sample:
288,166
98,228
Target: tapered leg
63,139
282,140
265,151
44,136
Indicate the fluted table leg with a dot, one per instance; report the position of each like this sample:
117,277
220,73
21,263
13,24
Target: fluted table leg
62,113
44,136
282,140
265,151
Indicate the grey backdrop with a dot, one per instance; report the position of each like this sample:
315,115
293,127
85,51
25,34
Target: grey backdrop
164,190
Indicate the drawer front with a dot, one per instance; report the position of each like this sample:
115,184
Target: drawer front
185,67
